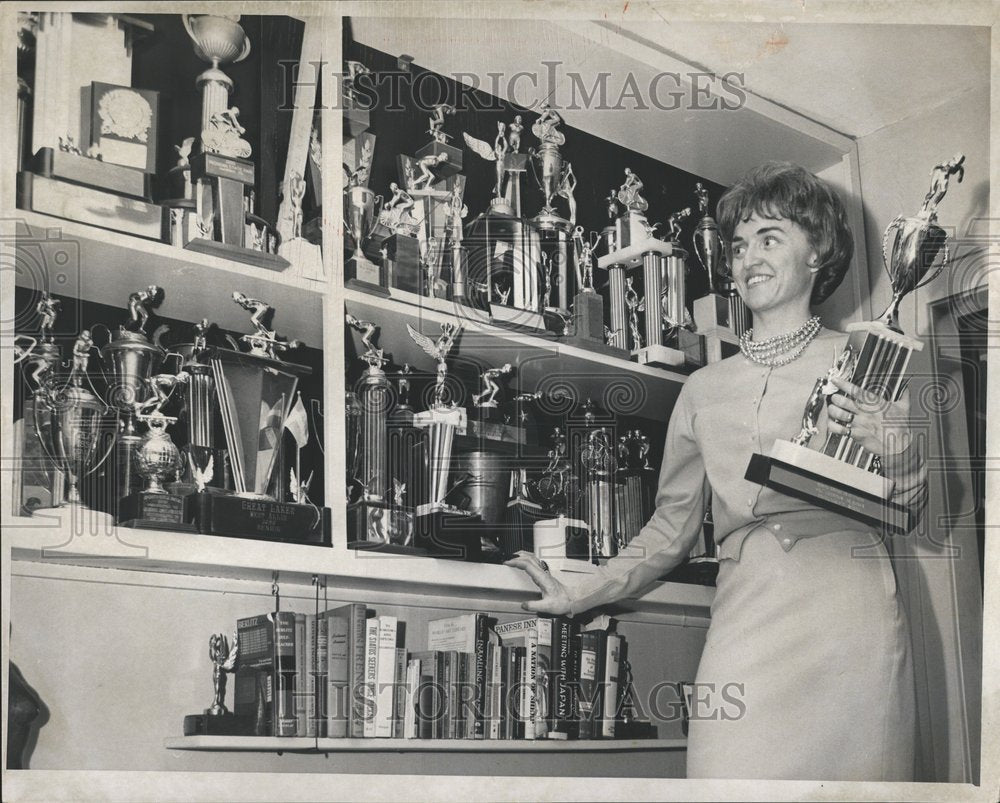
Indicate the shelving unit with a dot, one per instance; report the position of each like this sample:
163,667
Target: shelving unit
261,744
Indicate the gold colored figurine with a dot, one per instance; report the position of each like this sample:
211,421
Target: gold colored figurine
224,658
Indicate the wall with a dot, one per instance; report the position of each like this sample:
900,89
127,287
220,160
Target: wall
942,587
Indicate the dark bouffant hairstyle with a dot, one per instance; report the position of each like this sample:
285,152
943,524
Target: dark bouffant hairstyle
782,189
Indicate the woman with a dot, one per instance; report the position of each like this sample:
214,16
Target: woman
807,629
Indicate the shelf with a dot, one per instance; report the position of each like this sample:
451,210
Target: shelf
58,543
543,364
81,261
264,744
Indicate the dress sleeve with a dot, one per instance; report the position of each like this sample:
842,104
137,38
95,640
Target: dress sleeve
681,495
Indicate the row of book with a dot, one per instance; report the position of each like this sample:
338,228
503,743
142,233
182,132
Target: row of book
346,672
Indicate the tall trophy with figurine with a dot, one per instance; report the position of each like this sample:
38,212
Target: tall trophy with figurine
840,475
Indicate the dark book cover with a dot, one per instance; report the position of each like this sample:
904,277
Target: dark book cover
563,698
320,674
431,695
253,685
284,675
517,690
590,674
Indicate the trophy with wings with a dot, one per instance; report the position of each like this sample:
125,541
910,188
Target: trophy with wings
442,528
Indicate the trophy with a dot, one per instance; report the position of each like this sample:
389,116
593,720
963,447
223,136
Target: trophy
396,232
505,251
840,475
69,422
217,719
367,518
722,308
588,329
446,158
441,527
221,169
634,490
131,359
255,390
361,213
156,459
357,119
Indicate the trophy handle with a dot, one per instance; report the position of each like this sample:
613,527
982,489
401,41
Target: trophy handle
376,211
112,441
34,425
246,49
893,226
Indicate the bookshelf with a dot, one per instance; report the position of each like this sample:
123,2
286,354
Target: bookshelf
193,585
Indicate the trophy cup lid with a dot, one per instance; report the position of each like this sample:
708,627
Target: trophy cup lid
549,221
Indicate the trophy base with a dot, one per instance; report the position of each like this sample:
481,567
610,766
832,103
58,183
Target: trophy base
521,320
588,318
660,356
220,725
248,256
99,175
826,482
712,312
519,522
694,346
564,545
549,221
356,121
153,511
262,520
75,202
361,272
306,257
451,167
370,523
447,532
631,256
597,346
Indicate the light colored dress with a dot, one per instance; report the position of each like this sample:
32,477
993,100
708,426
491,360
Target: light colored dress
806,672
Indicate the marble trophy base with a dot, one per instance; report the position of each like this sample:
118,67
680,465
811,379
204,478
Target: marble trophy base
711,312
99,175
220,725
658,355
564,544
363,274
819,479
631,256
586,329
402,263
448,532
449,168
49,196
156,511
260,519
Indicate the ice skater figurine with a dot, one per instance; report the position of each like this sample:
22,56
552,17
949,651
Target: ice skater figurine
259,310
425,165
939,183
223,657
373,354
138,307
488,396
437,122
48,310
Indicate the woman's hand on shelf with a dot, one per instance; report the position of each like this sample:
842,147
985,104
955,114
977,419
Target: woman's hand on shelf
555,596
880,426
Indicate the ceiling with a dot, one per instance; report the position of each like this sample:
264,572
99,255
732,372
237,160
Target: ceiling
853,78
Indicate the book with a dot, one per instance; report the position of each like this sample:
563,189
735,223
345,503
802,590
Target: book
385,676
453,707
355,693
399,694
319,676
535,635
308,691
516,694
612,671
253,686
431,697
496,690
284,674
563,699
411,699
590,674
371,676
338,672
301,668
466,633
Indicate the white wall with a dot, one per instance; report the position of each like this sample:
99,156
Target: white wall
938,566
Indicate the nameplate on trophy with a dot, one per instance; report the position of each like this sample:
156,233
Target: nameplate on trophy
212,165
154,510
261,519
100,175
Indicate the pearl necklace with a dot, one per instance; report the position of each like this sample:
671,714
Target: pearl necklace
780,349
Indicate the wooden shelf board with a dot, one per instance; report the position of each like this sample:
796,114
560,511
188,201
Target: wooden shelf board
81,261
264,744
542,363
56,543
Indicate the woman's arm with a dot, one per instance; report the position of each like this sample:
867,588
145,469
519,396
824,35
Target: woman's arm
682,492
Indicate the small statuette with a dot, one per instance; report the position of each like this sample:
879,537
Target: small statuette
487,397
612,202
545,127
496,154
224,135
138,308
263,342
939,184
567,188
355,69
396,215
47,309
674,223
425,165
437,122
373,354
439,351
702,195
223,657
584,259
504,294
514,134
184,152
68,145
81,354
635,306
295,188
629,193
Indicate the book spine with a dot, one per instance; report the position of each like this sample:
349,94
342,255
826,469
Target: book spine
411,699
322,648
587,671
543,673
301,673
506,695
385,707
612,669
517,697
399,694
254,670
496,690
468,694
479,710
529,705
562,706
337,676
284,676
371,675
308,691
358,635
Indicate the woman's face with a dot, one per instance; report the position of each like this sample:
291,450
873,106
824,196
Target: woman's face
771,261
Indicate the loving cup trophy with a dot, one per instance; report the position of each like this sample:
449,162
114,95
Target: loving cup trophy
841,475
